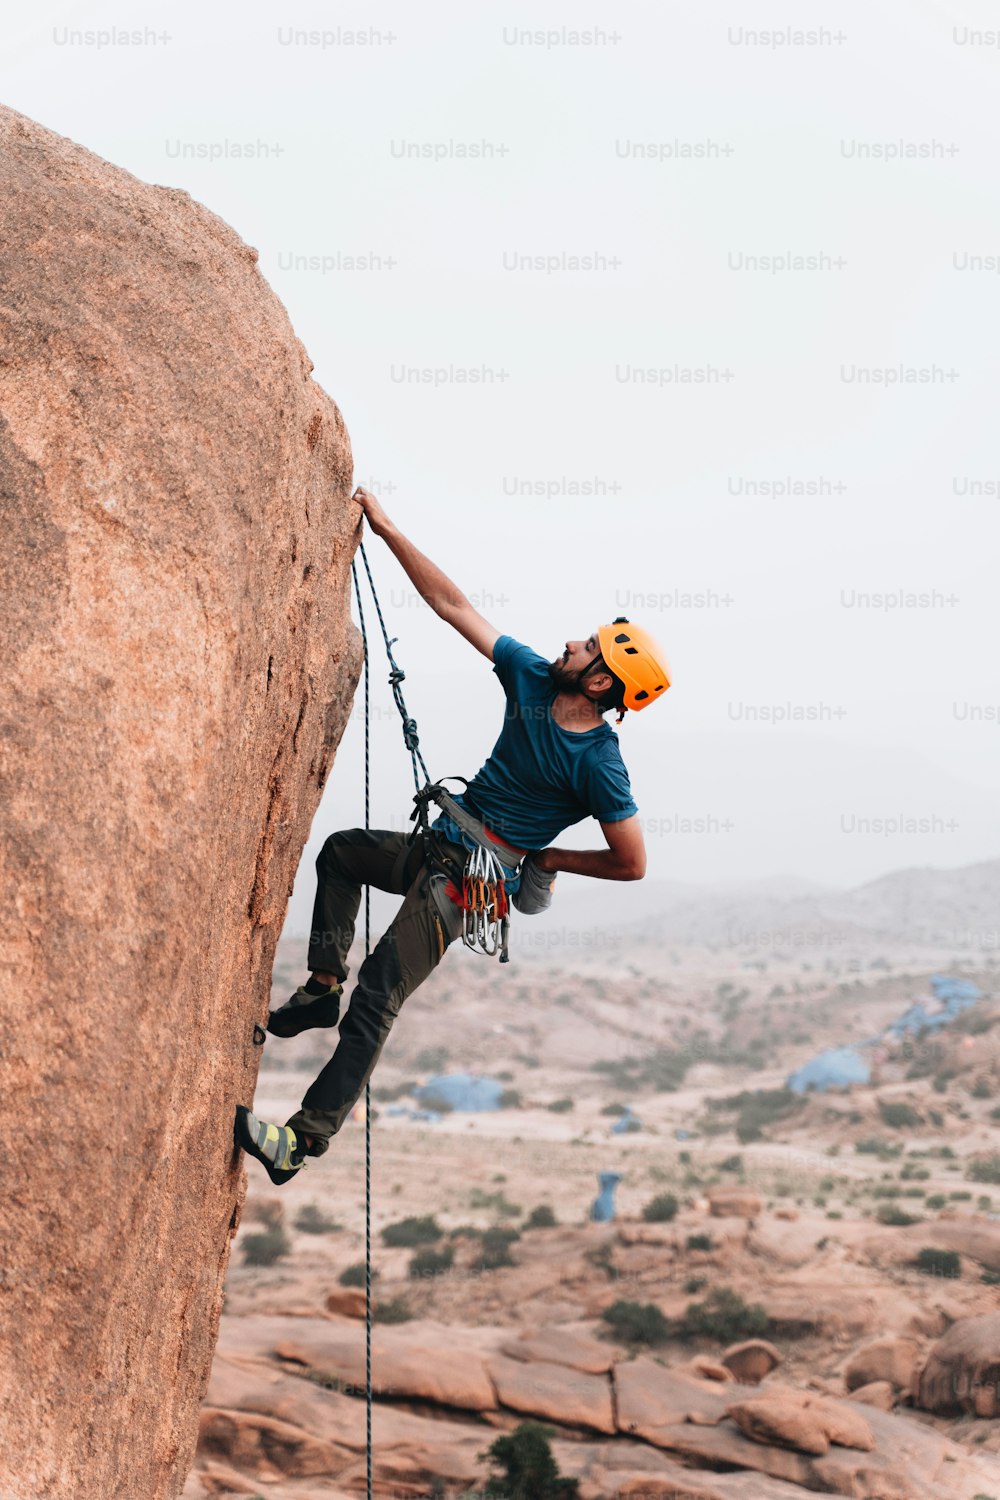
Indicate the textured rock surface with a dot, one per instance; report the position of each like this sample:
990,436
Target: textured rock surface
892,1359
179,665
962,1370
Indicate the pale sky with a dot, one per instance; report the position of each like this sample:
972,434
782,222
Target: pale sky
866,376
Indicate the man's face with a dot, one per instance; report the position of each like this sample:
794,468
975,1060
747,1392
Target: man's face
566,669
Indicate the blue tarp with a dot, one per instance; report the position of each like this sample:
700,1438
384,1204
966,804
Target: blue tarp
833,1069
626,1122
957,992
954,995
463,1091
602,1210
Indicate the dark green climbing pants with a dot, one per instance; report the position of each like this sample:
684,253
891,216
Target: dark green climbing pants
410,948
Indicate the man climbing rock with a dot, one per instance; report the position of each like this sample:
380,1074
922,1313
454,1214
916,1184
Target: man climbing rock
556,762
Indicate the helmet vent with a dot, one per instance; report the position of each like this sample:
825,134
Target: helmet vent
622,637
631,650
640,695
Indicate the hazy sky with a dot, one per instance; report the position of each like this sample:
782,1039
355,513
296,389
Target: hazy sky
684,150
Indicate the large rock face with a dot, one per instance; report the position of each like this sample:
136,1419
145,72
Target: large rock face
179,664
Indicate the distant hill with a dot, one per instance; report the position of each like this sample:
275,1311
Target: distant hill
951,910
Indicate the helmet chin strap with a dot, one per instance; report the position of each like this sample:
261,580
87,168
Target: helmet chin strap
583,672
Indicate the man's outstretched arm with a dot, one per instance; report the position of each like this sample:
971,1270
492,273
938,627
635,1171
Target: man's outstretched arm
433,586
623,859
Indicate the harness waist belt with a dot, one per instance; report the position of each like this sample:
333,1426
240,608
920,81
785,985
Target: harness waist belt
508,854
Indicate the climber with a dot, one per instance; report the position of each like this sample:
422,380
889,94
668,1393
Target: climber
555,762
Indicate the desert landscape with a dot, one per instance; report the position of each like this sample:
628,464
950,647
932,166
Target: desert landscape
795,1291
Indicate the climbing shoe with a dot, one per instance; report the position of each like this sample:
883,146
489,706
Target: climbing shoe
275,1146
311,1005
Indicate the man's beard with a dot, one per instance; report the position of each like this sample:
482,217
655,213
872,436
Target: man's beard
565,681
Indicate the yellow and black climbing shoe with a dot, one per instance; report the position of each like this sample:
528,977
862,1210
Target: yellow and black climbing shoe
275,1146
311,1005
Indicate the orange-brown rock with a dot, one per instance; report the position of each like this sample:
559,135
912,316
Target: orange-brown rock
545,1390
801,1420
962,1370
179,664
733,1202
562,1346
751,1360
878,1393
891,1359
266,1447
649,1396
347,1301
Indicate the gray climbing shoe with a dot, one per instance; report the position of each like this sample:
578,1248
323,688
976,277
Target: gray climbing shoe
276,1147
303,1011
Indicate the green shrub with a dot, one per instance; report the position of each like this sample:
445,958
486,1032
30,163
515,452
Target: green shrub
874,1145
699,1242
494,1249
541,1217
934,1262
510,1099
266,1247
985,1169
396,1310
312,1220
723,1315
694,1284
891,1213
898,1114
561,1106
661,1209
413,1231
758,1108
529,1472
732,1164
637,1322
431,1060
936,1200
354,1275
497,1202
613,1109
982,1089
431,1262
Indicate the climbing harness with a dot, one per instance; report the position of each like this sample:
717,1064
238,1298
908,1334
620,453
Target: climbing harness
478,887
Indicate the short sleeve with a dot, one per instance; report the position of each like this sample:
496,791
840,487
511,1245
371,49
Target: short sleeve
514,662
608,791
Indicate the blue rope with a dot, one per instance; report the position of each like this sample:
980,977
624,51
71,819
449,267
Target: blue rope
396,676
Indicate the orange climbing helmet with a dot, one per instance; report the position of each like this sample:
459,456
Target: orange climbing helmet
634,656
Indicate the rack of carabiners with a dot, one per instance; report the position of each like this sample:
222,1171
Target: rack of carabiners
482,894
484,903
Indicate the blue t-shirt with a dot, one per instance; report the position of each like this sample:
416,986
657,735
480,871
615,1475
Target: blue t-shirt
541,778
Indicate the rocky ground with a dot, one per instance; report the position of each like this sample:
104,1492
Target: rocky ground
819,1313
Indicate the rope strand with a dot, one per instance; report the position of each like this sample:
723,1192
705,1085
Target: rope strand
368,1093
396,676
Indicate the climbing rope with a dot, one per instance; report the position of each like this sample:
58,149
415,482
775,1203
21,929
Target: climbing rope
483,900
396,677
368,1091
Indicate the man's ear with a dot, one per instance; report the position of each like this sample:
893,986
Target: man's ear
598,684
